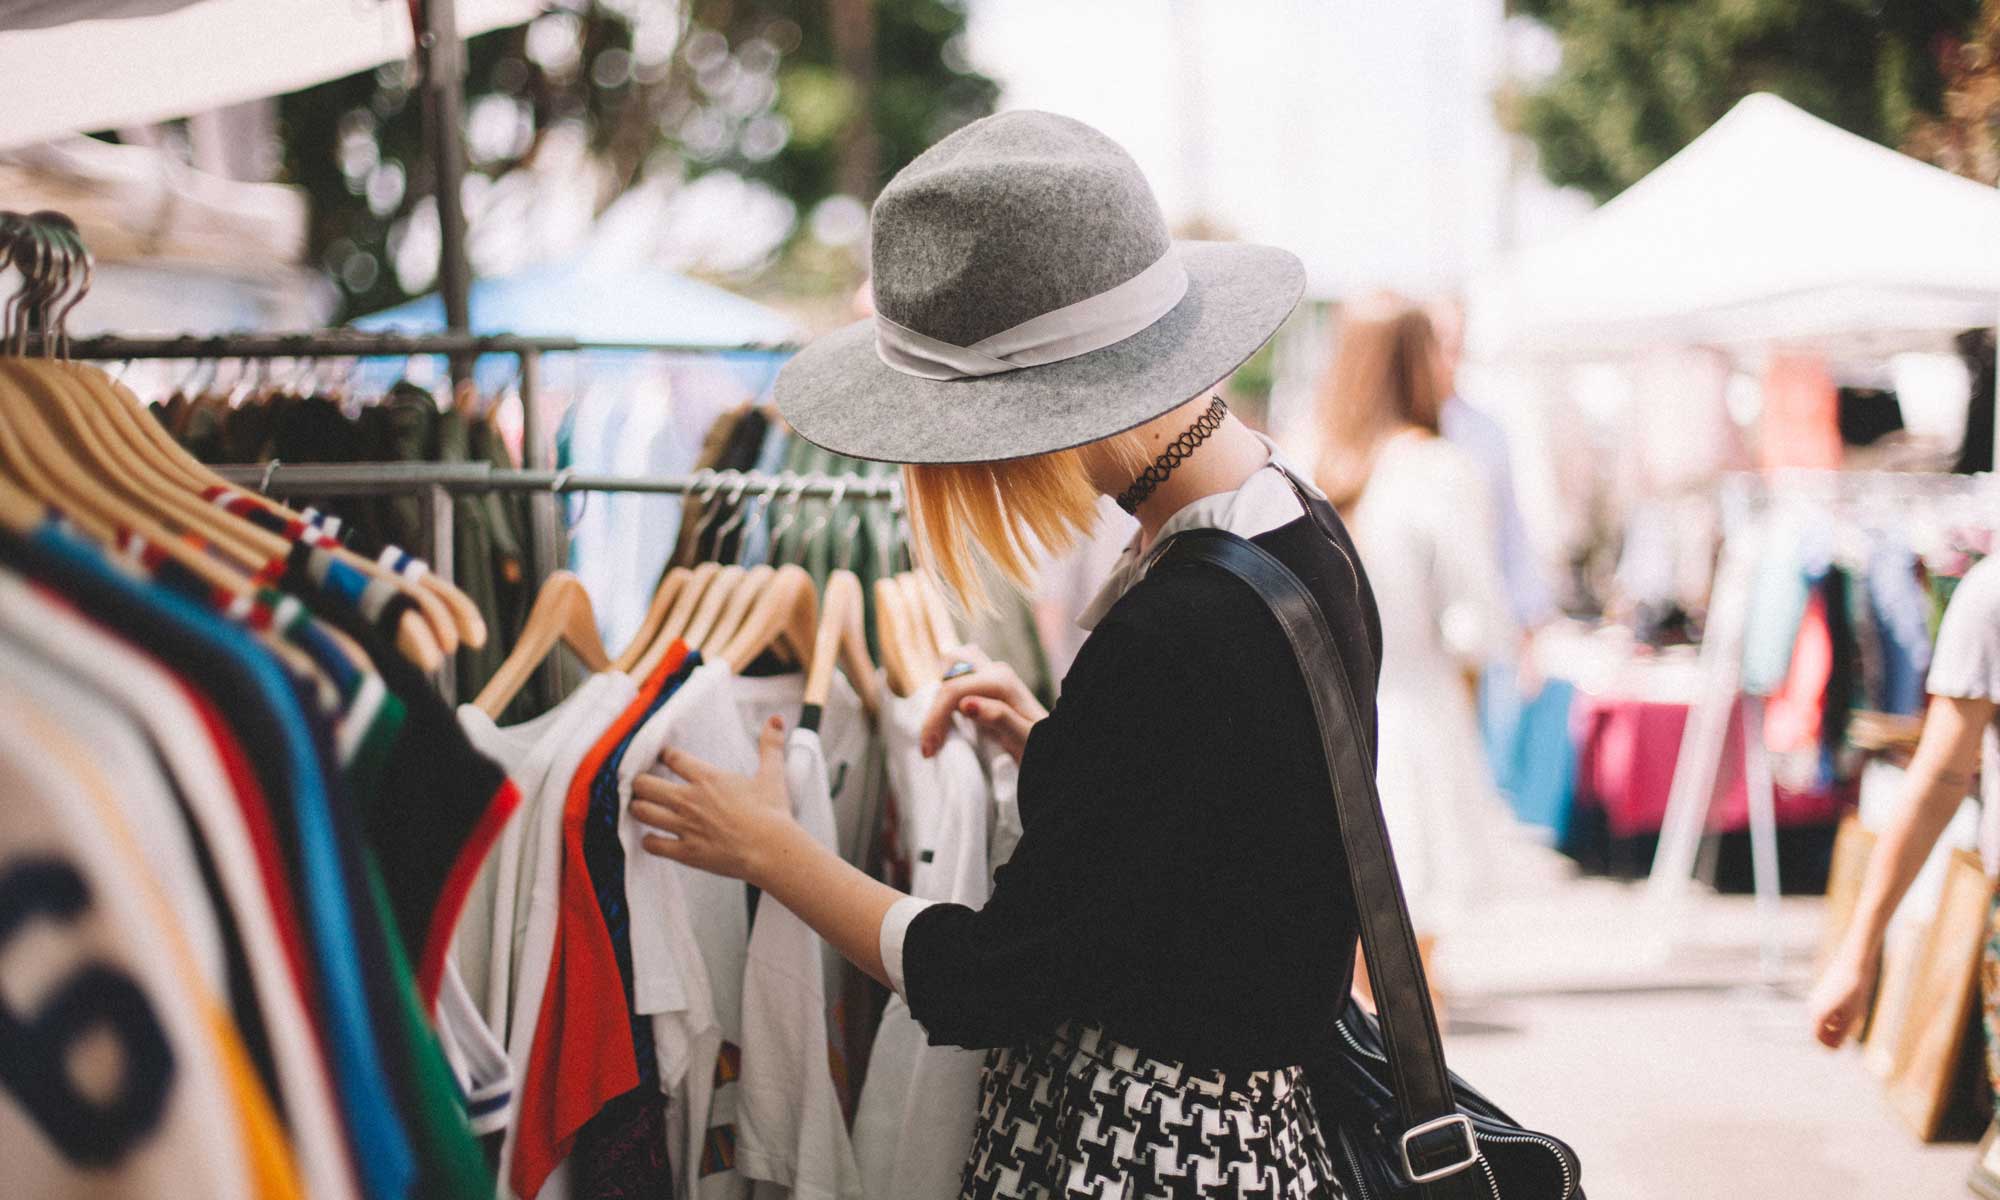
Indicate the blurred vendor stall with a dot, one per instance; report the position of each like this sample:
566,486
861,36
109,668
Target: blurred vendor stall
1756,301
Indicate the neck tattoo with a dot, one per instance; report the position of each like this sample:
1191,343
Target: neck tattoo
1176,453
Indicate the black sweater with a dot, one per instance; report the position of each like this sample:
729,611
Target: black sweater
1180,881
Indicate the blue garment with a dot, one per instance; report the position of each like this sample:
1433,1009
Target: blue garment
1482,437
1901,608
604,855
245,683
1529,747
1544,767
1792,558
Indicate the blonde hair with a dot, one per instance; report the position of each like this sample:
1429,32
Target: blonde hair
1387,376
1008,515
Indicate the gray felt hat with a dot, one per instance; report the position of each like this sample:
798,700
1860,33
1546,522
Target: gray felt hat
1029,299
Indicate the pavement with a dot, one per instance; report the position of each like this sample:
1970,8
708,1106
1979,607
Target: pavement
1673,1055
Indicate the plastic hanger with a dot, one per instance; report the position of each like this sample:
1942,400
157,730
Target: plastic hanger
561,614
787,615
720,590
842,641
662,604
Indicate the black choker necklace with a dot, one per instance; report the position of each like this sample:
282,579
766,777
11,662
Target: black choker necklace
1174,455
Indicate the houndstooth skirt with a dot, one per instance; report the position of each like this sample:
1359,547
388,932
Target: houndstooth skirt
1083,1116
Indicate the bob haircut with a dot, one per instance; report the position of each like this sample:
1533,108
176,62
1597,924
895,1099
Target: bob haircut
1012,514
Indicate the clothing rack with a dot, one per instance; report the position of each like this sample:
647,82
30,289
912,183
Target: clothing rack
536,448
439,482
1747,500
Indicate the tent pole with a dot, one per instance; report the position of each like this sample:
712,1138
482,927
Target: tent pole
442,58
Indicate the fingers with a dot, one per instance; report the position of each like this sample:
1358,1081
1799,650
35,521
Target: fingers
686,765
1003,721
992,682
1832,1029
659,816
968,653
662,791
665,847
771,749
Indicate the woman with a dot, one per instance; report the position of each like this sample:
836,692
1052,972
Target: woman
1173,936
1423,516
1960,743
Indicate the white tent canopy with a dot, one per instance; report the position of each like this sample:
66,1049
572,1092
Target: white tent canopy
1771,228
134,62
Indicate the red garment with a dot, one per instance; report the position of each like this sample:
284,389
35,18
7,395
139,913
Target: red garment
1800,426
1626,751
257,824
582,1057
458,885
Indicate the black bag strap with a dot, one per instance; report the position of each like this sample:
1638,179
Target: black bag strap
1435,1140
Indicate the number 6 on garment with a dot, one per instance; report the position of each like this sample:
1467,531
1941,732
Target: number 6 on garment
36,1048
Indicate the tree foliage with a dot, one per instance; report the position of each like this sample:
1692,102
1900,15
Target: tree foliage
819,101
1639,79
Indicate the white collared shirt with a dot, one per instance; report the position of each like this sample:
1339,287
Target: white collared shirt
1263,502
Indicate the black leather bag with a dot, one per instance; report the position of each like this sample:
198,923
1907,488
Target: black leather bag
1408,1129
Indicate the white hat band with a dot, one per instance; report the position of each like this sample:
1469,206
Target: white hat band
1092,323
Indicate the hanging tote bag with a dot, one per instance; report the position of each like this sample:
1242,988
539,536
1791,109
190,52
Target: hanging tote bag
1410,1130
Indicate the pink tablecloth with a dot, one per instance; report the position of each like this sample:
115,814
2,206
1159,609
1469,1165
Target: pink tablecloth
1625,766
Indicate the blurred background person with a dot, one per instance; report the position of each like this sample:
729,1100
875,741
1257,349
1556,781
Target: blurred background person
1960,744
1422,514
1484,439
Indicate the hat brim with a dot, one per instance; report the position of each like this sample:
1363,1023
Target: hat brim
839,394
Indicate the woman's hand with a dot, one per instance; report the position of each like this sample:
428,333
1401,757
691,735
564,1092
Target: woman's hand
992,696
1840,1001
719,821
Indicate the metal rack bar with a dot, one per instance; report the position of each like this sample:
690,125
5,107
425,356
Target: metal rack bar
375,479
318,343
356,343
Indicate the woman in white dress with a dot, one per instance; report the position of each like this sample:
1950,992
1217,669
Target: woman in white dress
1422,516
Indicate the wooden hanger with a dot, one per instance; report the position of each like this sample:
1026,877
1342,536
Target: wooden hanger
730,623
894,636
842,641
676,625
42,465
19,511
67,409
786,614
662,603
925,659
435,624
442,605
561,614
720,590
944,632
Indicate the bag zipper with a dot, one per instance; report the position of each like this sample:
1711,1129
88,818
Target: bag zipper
1562,1160
1354,1162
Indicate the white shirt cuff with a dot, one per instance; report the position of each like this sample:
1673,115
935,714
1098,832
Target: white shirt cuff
896,926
